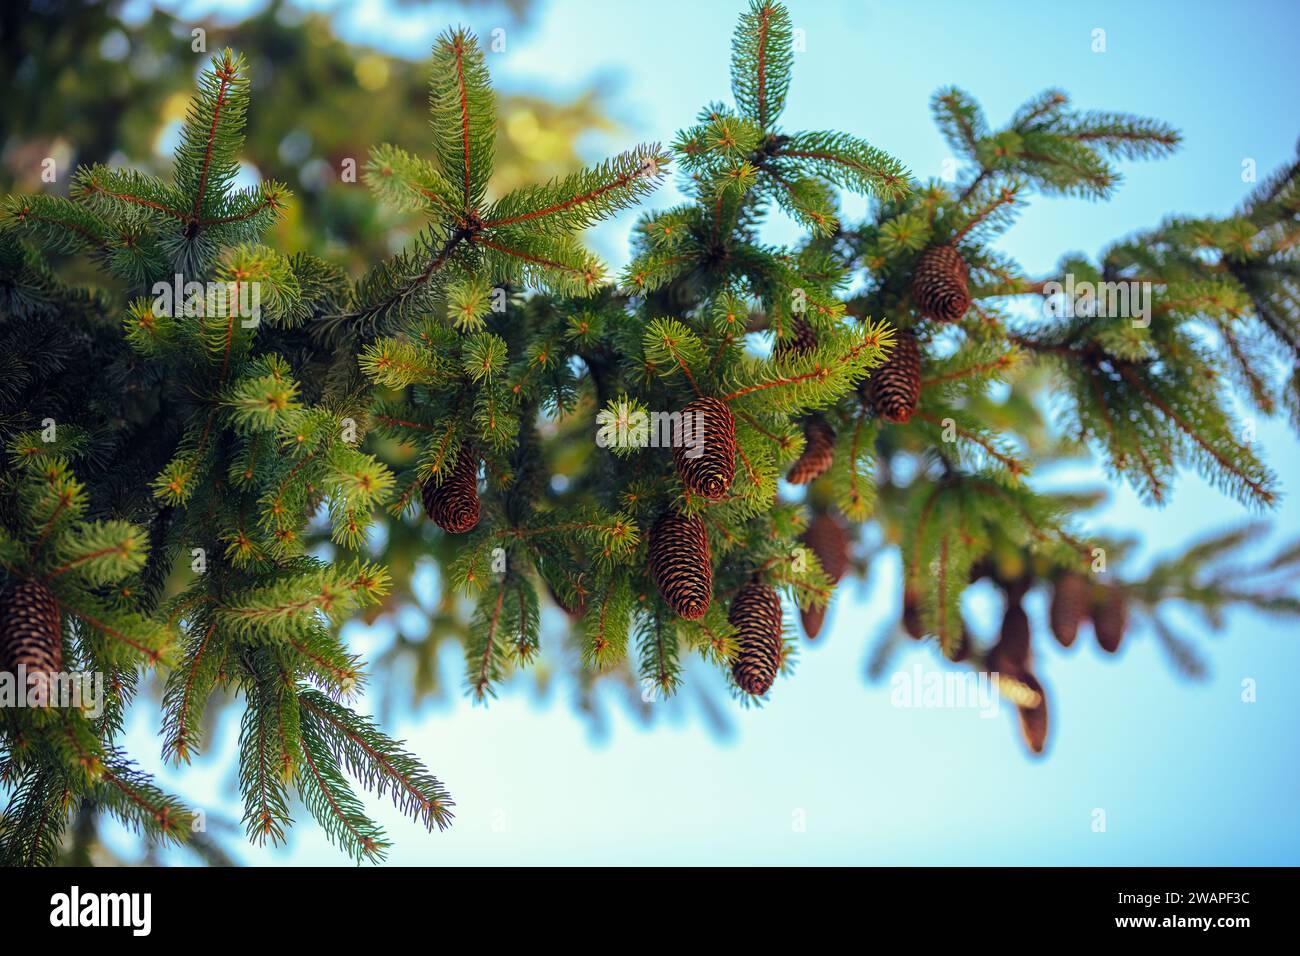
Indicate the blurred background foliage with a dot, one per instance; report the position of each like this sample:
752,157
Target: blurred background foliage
85,83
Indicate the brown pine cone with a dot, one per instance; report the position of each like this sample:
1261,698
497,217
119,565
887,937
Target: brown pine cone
829,541
31,635
895,387
1109,616
681,564
756,615
1012,652
826,537
454,505
818,453
801,341
1033,720
812,619
1069,606
939,284
705,447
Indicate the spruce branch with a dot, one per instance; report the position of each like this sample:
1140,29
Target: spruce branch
331,801
491,345
377,761
762,61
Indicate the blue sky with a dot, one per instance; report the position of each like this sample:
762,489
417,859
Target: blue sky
830,771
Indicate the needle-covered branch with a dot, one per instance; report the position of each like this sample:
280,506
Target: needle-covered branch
675,463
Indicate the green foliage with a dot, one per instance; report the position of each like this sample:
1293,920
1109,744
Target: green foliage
238,456
234,451
471,246
57,752
1058,149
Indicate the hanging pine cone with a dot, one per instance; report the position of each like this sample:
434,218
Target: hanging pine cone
801,341
454,505
1033,720
812,619
829,541
1069,606
895,387
939,284
708,432
31,635
1011,654
1109,616
818,453
826,537
681,564
756,615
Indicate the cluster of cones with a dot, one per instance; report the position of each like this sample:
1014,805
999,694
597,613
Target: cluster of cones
681,565
940,291
1075,601
680,560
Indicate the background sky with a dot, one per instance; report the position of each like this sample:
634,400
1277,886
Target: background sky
829,771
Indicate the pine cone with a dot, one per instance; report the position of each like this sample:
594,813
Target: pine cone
828,540
801,341
1069,606
1012,653
939,284
1109,616
756,615
708,431
818,453
681,564
826,536
812,619
1033,720
454,505
895,387
31,635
